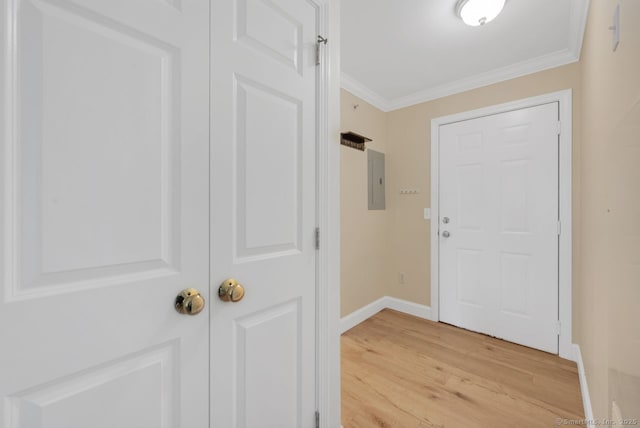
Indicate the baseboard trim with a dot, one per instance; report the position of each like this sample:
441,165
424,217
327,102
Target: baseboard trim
411,308
584,389
386,302
356,317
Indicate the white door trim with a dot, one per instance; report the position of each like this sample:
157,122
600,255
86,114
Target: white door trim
565,263
328,270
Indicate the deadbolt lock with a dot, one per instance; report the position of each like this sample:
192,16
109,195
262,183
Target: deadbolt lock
230,291
189,302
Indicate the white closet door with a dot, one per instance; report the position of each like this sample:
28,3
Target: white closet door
104,184
263,206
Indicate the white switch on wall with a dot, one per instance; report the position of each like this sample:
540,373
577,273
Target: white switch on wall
427,213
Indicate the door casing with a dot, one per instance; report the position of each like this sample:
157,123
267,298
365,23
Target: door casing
565,261
328,262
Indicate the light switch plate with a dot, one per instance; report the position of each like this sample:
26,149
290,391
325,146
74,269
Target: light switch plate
427,213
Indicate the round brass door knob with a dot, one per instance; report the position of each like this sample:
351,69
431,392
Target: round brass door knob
230,291
189,302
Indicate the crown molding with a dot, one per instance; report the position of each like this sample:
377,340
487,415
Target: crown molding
498,75
361,91
577,24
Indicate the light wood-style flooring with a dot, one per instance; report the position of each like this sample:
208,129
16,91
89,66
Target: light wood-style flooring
400,371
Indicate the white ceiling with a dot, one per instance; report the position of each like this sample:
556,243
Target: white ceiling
396,53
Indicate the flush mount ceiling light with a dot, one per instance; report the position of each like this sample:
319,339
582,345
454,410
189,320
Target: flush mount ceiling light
478,12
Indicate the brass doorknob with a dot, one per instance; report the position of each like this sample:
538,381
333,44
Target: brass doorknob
189,302
230,291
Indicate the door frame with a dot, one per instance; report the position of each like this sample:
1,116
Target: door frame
328,189
565,257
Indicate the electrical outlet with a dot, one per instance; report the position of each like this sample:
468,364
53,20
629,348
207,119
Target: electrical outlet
402,277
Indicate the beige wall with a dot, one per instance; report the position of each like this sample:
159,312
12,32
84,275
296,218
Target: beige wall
364,233
608,328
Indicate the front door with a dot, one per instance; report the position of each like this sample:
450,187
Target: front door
498,238
104,186
263,213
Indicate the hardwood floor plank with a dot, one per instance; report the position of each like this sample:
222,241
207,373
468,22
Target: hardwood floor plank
400,371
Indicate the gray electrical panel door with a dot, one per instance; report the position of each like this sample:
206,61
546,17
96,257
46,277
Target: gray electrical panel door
376,179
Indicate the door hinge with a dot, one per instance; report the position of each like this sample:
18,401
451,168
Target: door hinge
317,238
558,328
321,41
559,228
317,419
558,127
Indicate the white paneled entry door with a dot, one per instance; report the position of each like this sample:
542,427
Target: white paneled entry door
125,180
498,226
263,224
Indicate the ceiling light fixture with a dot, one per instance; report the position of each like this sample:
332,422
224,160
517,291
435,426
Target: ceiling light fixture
479,12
